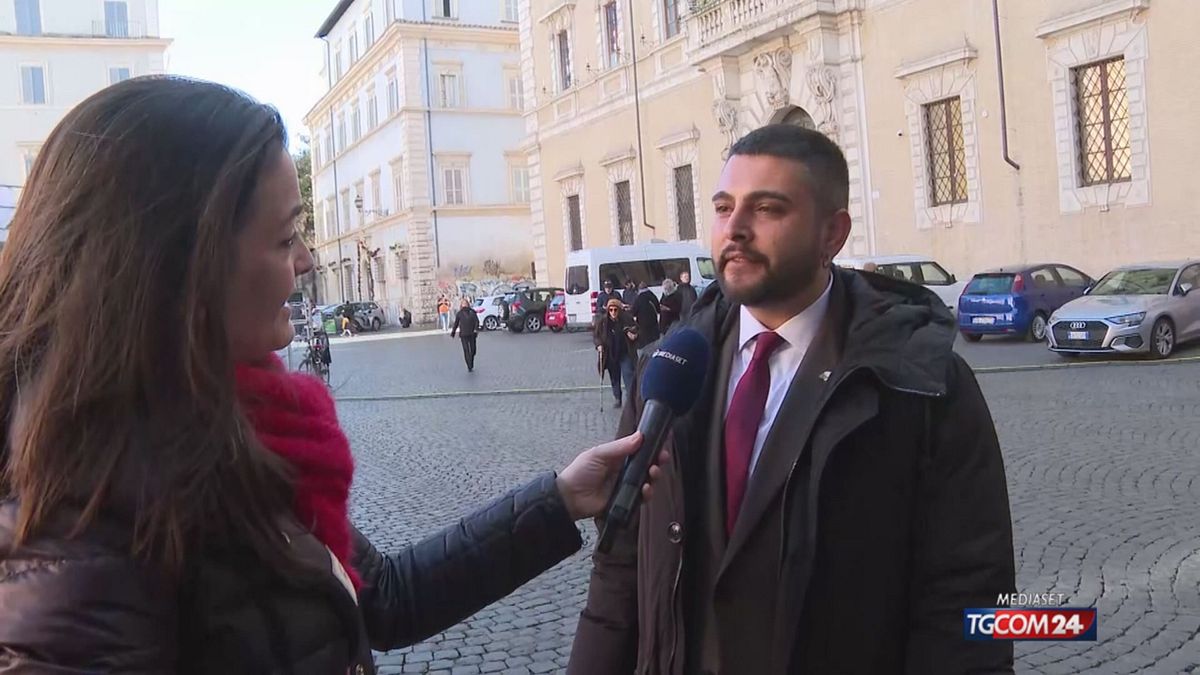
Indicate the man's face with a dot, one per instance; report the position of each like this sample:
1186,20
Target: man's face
769,238
608,287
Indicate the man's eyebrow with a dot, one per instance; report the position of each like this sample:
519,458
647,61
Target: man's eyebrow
756,195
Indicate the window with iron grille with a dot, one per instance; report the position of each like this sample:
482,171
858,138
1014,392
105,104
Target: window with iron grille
1102,122
612,35
671,18
402,265
563,42
685,202
946,156
575,219
624,213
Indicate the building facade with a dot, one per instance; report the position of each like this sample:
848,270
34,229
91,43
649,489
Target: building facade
420,186
1085,162
54,54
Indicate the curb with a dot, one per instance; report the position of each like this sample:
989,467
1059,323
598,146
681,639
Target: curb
995,370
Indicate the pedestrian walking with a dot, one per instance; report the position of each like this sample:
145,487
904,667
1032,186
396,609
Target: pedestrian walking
645,313
443,311
466,324
180,504
615,338
839,476
670,307
347,324
687,294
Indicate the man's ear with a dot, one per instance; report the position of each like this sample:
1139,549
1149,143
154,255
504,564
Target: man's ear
837,231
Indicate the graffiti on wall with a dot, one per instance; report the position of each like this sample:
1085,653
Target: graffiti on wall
490,277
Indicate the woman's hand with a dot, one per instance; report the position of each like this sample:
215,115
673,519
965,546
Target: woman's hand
587,482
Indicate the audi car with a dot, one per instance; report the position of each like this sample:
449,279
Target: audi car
1135,309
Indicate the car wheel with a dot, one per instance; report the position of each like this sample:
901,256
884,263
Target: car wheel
533,323
972,337
376,323
491,323
1162,338
1037,328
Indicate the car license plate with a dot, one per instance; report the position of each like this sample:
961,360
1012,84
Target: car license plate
574,318
1077,335
983,320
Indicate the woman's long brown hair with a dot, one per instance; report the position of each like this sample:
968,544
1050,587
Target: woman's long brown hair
116,380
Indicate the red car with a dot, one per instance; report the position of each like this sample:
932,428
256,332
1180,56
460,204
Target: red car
556,312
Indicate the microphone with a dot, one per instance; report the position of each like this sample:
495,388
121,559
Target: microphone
671,383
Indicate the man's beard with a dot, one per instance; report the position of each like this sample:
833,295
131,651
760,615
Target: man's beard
778,283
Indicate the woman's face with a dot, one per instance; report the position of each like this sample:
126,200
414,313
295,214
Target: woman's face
270,255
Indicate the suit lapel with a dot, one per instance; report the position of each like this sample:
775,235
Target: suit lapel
714,516
793,425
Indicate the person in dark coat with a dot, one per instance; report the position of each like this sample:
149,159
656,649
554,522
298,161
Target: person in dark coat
466,324
629,296
670,308
645,313
687,293
616,337
839,477
181,504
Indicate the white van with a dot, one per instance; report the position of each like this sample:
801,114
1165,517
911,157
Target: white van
651,263
917,269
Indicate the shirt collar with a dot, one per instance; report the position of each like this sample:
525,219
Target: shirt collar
799,330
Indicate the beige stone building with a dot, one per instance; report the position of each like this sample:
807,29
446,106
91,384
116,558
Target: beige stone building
1087,160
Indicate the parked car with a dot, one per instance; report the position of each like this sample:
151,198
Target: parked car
491,311
917,269
1017,300
366,315
1148,308
556,312
527,308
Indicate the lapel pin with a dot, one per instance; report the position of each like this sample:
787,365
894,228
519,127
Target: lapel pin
824,376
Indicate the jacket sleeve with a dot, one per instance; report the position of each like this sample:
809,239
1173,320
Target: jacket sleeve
432,585
457,319
606,638
963,549
96,614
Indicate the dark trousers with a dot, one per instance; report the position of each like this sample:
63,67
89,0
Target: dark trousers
620,371
469,350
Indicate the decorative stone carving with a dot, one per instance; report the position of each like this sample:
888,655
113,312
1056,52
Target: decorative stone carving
727,122
822,83
774,68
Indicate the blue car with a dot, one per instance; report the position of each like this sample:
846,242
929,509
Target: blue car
1018,300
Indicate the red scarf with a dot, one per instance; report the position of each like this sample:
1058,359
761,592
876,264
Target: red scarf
294,417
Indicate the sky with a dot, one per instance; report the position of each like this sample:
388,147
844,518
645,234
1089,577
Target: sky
265,48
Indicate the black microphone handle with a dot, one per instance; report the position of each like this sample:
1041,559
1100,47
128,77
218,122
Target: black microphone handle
623,504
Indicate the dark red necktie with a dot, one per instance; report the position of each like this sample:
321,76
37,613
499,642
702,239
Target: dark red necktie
741,423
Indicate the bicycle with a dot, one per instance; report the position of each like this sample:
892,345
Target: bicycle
316,356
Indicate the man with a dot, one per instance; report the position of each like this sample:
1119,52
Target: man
841,494
607,293
687,292
645,314
467,322
630,295
615,338
871,267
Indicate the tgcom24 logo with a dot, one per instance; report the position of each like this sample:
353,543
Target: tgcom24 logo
1074,624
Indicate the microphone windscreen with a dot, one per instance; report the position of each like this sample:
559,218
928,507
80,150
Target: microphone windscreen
676,370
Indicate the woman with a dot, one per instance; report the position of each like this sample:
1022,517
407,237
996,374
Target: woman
616,337
172,499
670,308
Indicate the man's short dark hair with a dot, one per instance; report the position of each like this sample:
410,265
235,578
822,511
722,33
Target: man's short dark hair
822,157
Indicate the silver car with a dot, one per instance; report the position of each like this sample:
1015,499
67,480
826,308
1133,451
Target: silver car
1133,309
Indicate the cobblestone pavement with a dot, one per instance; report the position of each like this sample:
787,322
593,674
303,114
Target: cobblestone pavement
1103,466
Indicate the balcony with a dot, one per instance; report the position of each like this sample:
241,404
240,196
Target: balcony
119,29
730,26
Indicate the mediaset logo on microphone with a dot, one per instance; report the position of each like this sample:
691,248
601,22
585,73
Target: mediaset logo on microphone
1031,617
660,354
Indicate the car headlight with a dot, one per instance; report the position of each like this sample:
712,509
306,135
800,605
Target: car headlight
1128,319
